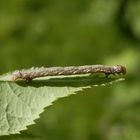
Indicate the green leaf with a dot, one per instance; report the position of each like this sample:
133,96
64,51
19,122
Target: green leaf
22,102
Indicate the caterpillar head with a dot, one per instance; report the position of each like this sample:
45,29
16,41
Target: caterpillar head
119,69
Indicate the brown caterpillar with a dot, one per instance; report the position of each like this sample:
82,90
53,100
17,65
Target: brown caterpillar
71,70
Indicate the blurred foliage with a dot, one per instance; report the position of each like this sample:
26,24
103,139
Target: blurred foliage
77,32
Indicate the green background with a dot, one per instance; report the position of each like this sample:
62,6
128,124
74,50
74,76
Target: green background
77,32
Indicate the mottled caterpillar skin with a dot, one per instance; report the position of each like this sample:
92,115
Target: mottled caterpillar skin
71,70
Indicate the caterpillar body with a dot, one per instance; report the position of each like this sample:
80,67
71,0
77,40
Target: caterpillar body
32,73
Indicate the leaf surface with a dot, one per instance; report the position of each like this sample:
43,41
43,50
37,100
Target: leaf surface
21,102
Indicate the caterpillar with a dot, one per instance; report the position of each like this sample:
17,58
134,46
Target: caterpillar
32,73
